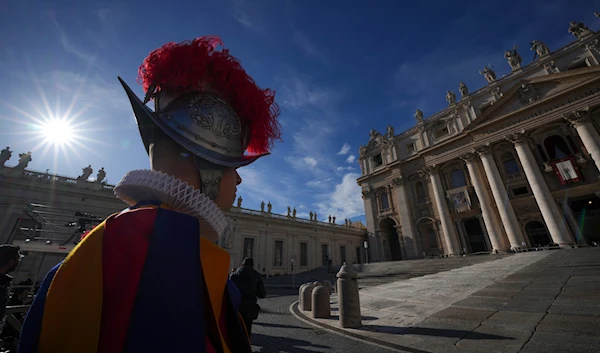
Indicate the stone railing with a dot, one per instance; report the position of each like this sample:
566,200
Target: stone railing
55,180
236,209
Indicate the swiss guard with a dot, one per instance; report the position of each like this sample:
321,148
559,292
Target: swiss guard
154,278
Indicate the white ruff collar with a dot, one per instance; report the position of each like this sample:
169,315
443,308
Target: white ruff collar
150,185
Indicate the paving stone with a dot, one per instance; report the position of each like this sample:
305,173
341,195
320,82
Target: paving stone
535,294
517,320
496,293
507,286
494,339
481,303
463,314
551,343
570,325
570,307
587,295
583,279
546,285
527,305
437,347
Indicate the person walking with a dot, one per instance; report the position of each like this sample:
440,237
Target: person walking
250,284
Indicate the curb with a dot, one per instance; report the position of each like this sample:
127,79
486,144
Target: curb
340,331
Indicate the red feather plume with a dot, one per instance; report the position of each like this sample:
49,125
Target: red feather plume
193,65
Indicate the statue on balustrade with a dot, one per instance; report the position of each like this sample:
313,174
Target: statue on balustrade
289,211
5,155
311,215
329,218
24,160
101,175
464,91
578,29
540,48
269,207
390,131
450,97
239,202
87,171
514,59
294,212
419,116
488,73
316,219
333,219
262,206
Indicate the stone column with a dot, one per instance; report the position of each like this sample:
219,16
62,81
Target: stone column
493,225
572,221
505,209
582,122
442,206
552,216
406,218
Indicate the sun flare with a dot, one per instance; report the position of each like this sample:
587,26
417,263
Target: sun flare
57,132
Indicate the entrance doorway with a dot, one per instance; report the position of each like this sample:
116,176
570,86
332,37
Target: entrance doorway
537,233
388,226
586,211
475,236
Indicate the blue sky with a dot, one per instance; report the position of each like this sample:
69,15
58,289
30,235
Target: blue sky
340,68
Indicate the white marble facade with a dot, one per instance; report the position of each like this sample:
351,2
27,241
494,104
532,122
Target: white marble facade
513,164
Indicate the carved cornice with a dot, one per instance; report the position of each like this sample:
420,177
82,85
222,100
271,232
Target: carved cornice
398,181
579,117
429,170
517,137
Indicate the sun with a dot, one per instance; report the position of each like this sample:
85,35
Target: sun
57,132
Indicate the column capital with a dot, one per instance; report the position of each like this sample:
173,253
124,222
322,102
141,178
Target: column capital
398,181
429,170
468,157
578,117
366,194
483,150
517,137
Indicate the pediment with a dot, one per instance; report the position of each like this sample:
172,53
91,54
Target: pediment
529,93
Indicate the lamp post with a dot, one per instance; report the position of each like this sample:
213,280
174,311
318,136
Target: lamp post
293,275
366,244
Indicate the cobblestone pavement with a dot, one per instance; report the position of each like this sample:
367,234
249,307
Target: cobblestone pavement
277,330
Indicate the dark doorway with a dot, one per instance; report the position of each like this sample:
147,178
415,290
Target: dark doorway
537,233
475,236
388,226
586,211
358,260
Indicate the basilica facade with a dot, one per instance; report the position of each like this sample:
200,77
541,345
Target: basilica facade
46,215
515,164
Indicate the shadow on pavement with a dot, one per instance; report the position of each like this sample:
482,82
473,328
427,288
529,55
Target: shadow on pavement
265,324
425,331
283,344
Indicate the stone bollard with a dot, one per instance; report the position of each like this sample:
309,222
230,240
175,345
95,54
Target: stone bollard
307,297
321,308
327,285
300,300
348,297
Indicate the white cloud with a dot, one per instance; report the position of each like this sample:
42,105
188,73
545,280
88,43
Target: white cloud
345,149
308,46
345,201
310,161
351,158
247,13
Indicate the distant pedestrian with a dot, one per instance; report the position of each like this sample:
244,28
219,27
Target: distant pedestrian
250,284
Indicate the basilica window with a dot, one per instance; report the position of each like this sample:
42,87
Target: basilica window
556,147
439,133
420,189
510,164
278,254
457,178
410,148
385,202
303,254
378,160
248,247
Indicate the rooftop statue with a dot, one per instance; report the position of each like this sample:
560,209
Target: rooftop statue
419,116
450,97
578,29
5,155
540,48
464,91
513,58
488,73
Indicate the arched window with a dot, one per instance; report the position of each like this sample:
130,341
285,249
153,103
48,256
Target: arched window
457,178
556,147
420,189
385,202
510,165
